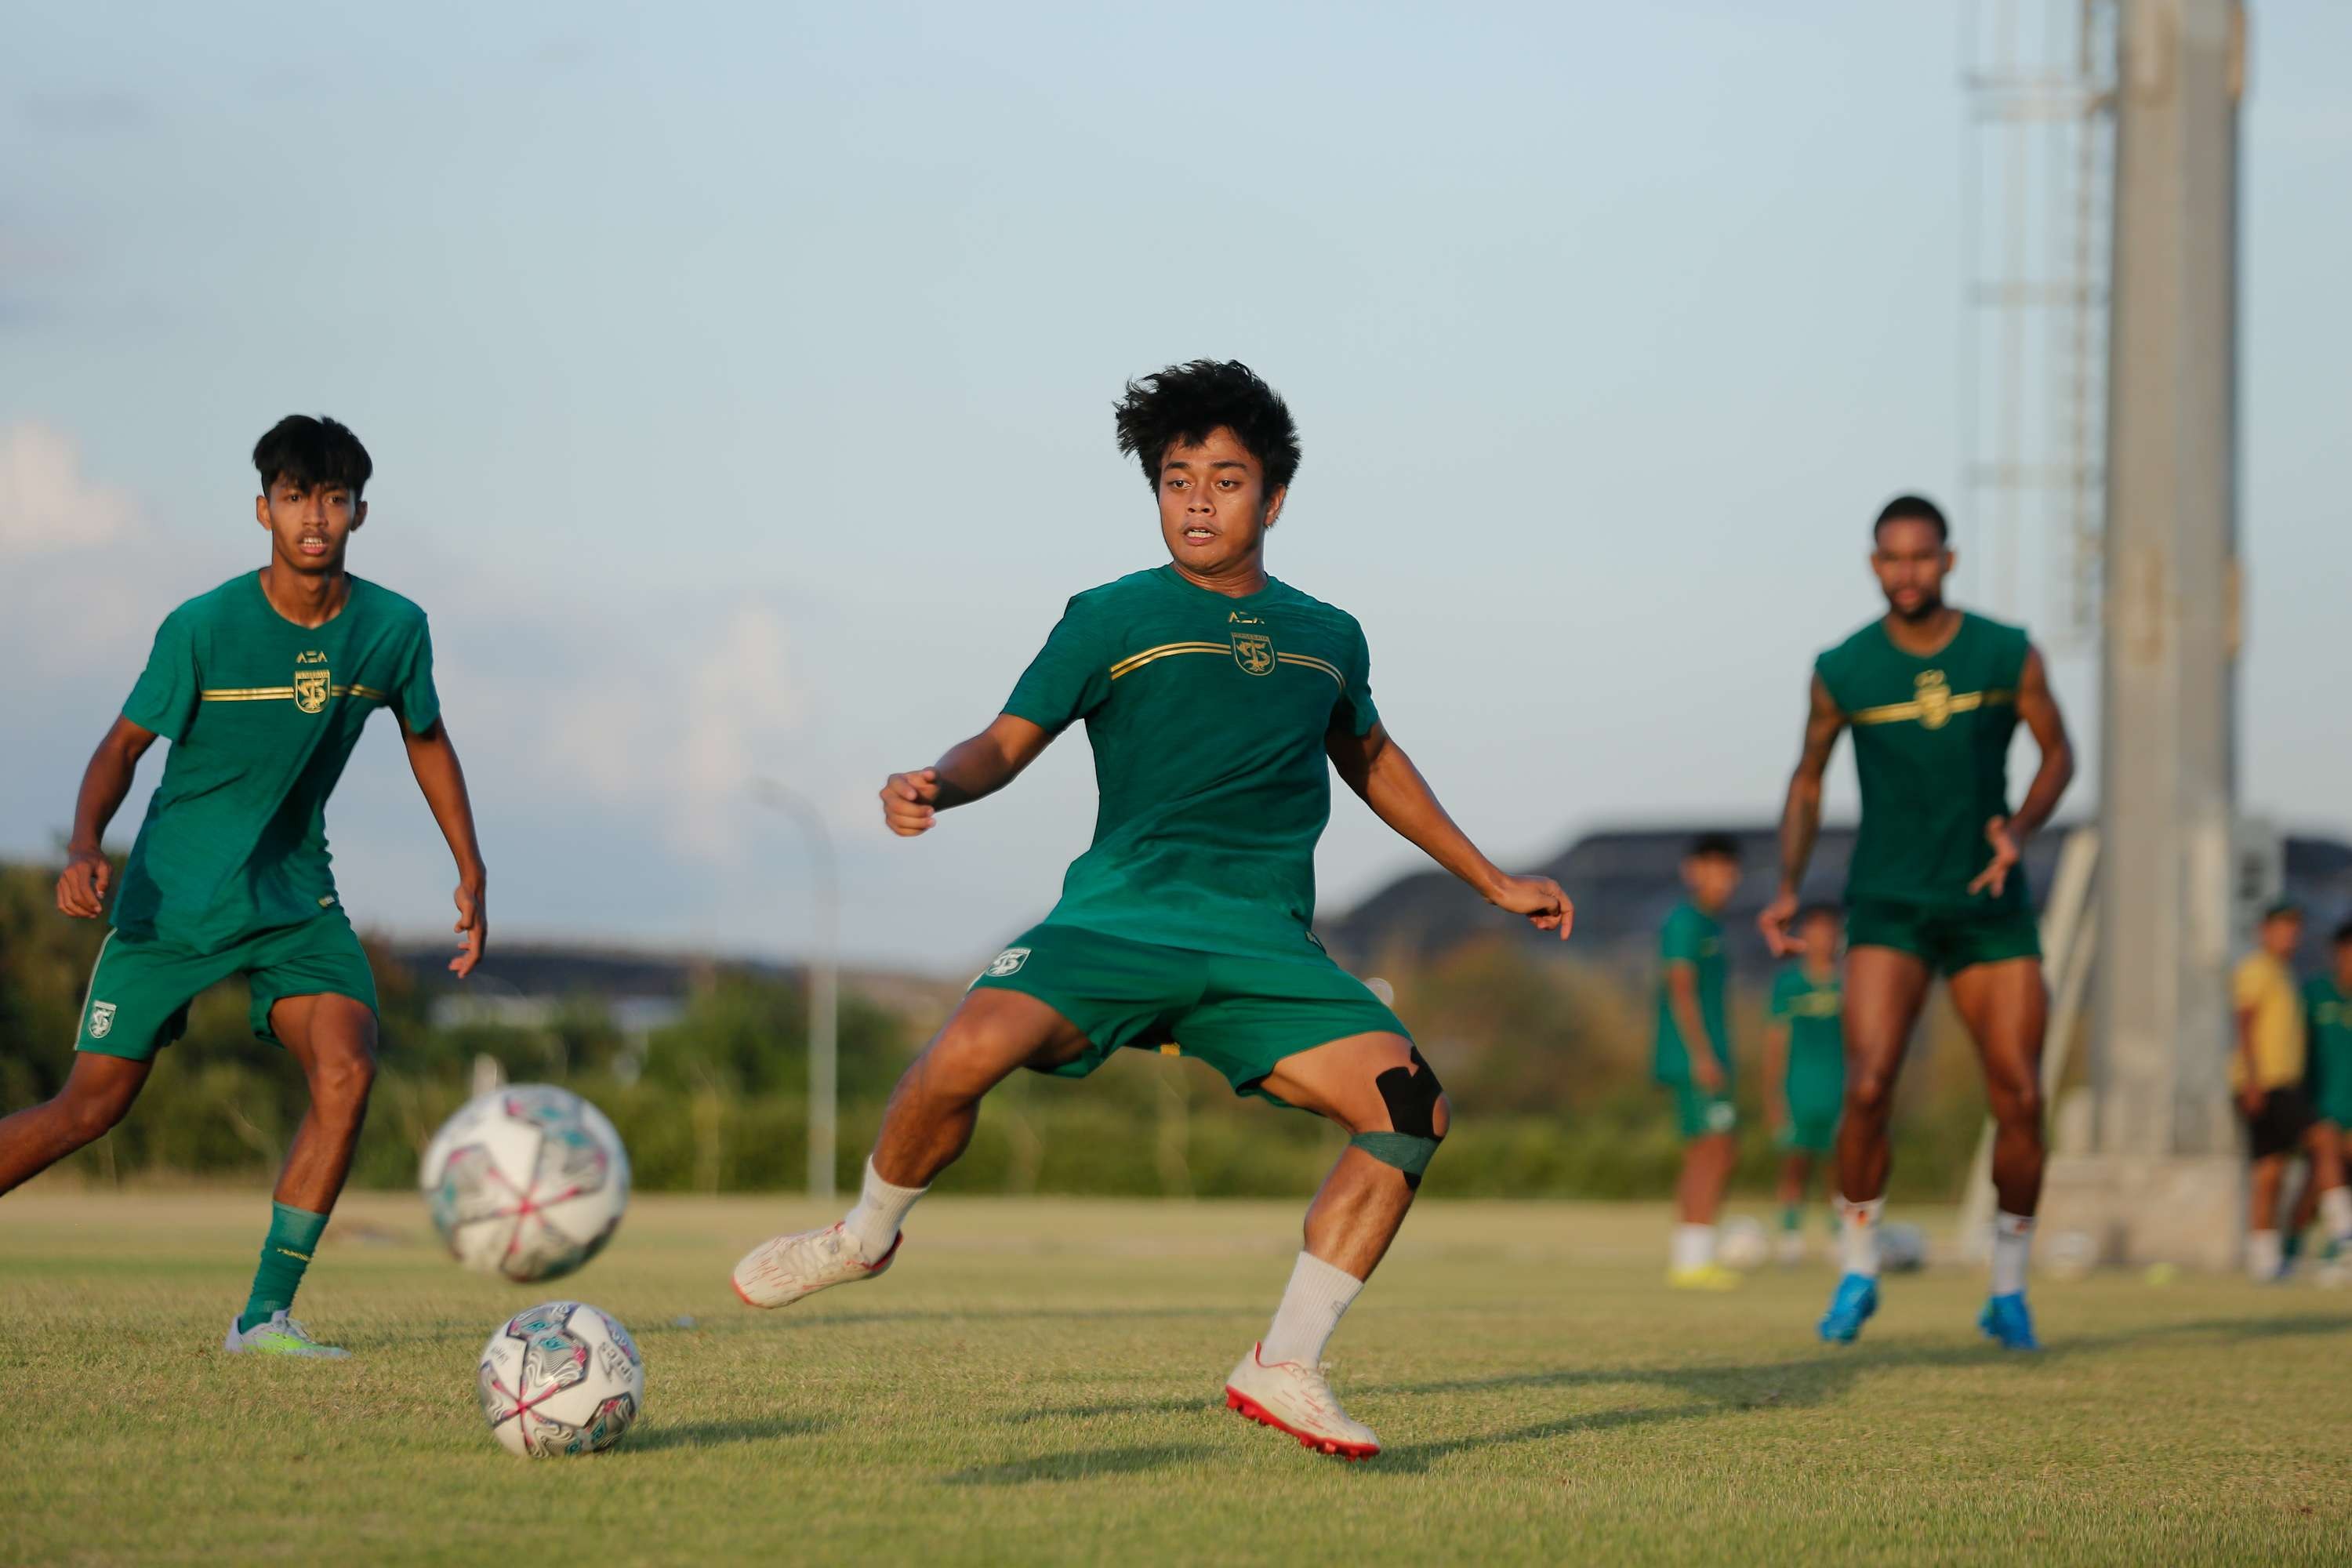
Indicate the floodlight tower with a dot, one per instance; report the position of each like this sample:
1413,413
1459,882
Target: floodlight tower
2163,1180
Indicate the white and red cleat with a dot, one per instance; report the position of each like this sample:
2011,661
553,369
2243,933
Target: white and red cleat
778,1272
1293,1398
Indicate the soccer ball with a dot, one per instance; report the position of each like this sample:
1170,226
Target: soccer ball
1743,1243
1902,1248
560,1379
528,1181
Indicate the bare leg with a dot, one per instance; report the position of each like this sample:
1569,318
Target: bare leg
1796,1174
936,1104
1362,1202
1884,988
2005,1007
1707,1173
96,1094
2267,1175
333,1039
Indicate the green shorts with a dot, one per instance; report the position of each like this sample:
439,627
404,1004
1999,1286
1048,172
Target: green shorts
140,991
1809,1133
1945,941
1700,1114
1241,1015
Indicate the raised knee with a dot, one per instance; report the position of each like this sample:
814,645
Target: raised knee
344,1079
1419,1115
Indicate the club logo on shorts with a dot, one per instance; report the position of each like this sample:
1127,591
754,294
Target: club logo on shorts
1935,699
1009,961
310,689
102,1020
1254,651
1721,1116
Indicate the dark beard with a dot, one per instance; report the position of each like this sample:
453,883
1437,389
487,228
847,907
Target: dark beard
1928,611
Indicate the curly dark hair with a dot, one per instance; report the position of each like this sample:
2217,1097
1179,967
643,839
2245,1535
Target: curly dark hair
1183,403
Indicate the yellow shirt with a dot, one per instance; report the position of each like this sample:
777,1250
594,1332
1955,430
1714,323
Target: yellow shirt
2265,988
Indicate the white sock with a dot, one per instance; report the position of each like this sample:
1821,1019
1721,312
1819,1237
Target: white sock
1319,1293
881,1209
1858,1235
2264,1256
1693,1247
2336,1214
2012,1237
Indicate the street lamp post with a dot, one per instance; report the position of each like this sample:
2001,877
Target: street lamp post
825,991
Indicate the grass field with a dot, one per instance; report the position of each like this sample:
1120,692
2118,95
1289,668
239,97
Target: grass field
1039,1381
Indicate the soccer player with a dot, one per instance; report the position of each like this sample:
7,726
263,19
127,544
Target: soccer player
2267,1073
1212,696
1691,1057
1804,1065
2327,1079
262,686
1933,695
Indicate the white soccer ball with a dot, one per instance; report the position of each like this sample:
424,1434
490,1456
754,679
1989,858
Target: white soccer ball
528,1181
1902,1248
560,1379
1743,1243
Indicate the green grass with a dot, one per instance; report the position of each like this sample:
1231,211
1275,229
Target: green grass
1039,1381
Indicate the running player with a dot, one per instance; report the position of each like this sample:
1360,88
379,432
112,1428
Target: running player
262,686
1933,695
2267,1073
1804,1065
1212,695
1693,1058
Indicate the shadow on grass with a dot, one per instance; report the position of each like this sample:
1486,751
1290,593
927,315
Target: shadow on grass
1085,1464
715,1434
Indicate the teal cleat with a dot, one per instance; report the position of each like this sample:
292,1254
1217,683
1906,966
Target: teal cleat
1855,1300
2005,1319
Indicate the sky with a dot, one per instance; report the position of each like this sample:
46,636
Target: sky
738,383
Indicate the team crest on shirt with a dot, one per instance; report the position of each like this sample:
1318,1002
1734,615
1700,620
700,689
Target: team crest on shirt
1254,651
1935,699
102,1020
1009,961
310,689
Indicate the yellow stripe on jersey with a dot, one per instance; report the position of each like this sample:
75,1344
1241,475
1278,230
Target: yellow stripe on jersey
1957,702
1165,650
367,691
1311,662
247,694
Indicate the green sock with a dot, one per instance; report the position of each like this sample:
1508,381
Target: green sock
1792,1218
285,1254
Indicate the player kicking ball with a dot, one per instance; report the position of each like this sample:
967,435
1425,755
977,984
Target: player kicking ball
1932,695
1217,700
262,686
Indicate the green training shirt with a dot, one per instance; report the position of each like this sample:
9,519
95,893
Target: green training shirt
2328,1073
1693,937
1814,1081
261,714
1207,716
1931,749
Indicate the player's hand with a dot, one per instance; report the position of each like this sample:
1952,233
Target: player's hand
1774,923
906,808
1995,876
1537,898
473,927
1708,1075
83,884
2249,1100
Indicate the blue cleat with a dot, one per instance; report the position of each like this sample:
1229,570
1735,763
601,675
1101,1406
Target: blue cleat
2005,1319
1851,1307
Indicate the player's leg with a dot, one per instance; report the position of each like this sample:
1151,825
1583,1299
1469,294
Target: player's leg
2333,1202
1796,1176
927,1125
2005,1006
1885,985
94,1095
2264,1254
1709,1152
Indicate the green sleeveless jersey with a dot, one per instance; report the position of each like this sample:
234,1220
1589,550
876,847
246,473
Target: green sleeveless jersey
1931,747
261,714
1207,716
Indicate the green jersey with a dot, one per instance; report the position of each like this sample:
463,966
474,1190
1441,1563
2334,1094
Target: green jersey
1693,937
2328,1073
261,714
1207,716
1814,1015
1931,749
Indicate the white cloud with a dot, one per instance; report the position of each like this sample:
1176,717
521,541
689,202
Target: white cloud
47,503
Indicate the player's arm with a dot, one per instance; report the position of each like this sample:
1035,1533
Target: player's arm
2038,708
1776,1072
2250,1093
82,886
1800,814
971,770
1681,999
1377,770
434,761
